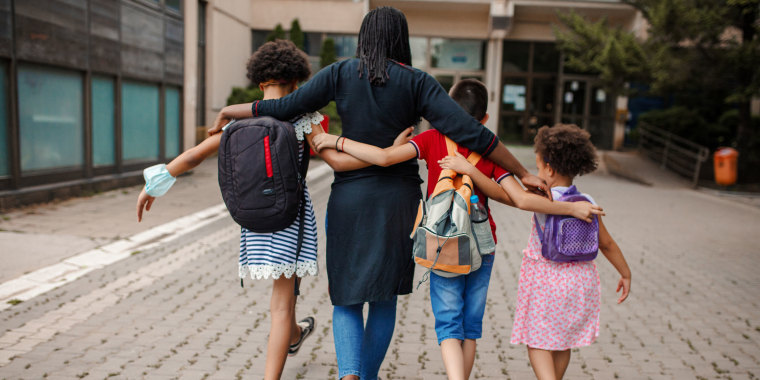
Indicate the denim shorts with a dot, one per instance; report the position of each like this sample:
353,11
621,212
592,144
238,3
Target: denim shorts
460,302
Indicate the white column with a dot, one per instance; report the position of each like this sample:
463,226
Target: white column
190,81
493,81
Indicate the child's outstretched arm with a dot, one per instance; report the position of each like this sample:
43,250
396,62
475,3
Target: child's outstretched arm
369,153
184,162
516,196
340,161
612,252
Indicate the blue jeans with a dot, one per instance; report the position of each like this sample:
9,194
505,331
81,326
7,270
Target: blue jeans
361,349
460,302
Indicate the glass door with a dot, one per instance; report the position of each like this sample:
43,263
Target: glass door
574,102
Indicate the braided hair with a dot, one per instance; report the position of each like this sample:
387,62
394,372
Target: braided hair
384,35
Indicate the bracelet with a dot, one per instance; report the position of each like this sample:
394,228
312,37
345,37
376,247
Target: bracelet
341,144
336,144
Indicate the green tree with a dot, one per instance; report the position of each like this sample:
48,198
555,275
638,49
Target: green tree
328,55
296,34
277,34
704,54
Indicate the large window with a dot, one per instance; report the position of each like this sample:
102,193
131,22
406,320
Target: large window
457,54
102,121
4,148
171,121
345,46
139,121
51,119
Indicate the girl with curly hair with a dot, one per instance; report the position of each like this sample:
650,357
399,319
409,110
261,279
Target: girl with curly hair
277,67
558,303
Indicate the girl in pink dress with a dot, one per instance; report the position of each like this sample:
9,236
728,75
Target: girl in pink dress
558,303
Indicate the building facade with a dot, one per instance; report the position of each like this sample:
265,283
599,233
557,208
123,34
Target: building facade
93,91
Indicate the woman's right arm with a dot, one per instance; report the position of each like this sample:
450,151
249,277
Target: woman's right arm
369,153
310,97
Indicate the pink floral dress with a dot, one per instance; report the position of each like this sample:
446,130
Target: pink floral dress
557,303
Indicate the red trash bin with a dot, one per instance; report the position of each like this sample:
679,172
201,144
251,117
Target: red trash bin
724,160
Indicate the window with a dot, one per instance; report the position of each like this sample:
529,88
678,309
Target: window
4,148
457,54
51,121
312,44
174,5
139,121
516,56
419,52
345,46
171,121
258,38
102,121
545,58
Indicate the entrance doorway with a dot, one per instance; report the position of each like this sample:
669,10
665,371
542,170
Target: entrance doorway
586,104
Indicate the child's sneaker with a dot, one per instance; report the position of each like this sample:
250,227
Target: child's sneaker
307,327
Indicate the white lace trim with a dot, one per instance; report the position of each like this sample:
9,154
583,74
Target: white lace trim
303,125
274,271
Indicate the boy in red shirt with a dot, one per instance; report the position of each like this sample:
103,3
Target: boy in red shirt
459,302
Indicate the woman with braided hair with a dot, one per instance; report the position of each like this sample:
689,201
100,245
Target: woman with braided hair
371,210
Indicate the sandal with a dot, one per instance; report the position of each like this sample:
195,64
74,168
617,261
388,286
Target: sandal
307,327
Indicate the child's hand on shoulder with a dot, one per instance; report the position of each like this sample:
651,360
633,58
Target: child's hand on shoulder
457,163
404,137
324,141
625,285
585,210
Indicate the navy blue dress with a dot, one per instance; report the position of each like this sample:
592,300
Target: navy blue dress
371,211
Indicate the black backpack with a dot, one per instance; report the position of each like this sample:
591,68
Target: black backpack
260,178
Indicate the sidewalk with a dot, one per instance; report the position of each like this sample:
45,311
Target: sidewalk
177,310
46,234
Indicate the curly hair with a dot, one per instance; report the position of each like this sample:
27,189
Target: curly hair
567,148
278,60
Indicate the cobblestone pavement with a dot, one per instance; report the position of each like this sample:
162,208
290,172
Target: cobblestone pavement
178,311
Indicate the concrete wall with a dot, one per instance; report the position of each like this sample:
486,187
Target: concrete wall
227,51
332,16
190,99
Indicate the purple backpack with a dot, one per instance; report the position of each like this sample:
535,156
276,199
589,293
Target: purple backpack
566,239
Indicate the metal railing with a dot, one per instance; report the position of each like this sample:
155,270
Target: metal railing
672,152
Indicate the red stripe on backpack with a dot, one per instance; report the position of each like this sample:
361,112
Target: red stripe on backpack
268,157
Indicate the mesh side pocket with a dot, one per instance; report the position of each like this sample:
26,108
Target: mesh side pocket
577,237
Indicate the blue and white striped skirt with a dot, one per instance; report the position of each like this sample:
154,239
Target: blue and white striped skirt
273,254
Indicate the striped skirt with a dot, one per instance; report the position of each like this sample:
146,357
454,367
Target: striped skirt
273,254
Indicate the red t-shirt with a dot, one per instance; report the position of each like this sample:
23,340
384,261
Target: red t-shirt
431,147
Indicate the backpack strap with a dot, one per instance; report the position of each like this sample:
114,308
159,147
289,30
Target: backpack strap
538,227
451,148
304,167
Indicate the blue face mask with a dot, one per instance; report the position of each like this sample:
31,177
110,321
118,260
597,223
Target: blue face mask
157,180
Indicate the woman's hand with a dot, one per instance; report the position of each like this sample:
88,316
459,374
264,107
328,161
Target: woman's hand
219,123
324,141
585,210
457,163
144,201
404,137
625,284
